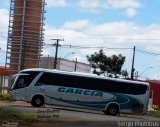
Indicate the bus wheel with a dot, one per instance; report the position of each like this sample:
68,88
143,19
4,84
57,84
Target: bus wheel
37,101
112,109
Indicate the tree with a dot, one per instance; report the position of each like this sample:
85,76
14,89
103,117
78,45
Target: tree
125,74
107,66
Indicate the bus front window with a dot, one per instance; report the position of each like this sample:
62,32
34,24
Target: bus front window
23,80
20,82
13,79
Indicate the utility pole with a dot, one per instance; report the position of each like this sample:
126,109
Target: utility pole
75,67
56,52
132,69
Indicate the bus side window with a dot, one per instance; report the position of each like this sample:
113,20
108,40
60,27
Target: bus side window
48,79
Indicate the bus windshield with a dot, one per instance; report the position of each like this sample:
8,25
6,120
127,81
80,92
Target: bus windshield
23,80
13,78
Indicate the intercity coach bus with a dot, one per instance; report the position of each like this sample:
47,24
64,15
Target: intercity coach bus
110,95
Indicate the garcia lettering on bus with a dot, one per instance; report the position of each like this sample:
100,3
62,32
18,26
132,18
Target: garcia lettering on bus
80,91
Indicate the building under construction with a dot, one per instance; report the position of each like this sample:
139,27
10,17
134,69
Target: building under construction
25,34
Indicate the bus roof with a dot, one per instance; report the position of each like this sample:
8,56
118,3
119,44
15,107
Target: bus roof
89,75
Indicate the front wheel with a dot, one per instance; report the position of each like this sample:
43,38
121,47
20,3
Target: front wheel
112,109
37,101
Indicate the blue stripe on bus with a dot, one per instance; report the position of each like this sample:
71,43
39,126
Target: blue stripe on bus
123,100
98,105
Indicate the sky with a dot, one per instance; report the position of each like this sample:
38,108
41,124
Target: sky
114,25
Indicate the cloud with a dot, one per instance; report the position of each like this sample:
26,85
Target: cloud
57,3
108,34
98,6
122,4
122,30
3,28
77,25
4,20
92,5
3,34
130,12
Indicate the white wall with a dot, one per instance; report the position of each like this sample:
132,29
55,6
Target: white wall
65,65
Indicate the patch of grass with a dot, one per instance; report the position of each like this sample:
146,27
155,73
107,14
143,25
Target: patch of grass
5,97
155,113
7,114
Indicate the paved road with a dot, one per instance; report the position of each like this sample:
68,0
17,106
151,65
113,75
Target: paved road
62,117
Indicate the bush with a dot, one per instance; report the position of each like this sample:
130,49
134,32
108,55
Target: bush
8,114
5,97
155,113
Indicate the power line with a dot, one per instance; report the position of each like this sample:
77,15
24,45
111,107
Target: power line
85,46
109,37
98,47
147,52
92,47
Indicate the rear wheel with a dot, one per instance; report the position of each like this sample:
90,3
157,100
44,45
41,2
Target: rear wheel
37,101
112,109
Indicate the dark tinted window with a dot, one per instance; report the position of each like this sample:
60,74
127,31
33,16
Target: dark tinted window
92,83
48,79
25,80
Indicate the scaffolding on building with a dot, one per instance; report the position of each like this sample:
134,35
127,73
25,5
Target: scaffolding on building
25,34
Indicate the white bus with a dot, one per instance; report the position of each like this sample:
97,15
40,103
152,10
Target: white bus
43,86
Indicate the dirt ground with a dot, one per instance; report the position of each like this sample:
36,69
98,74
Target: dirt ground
71,117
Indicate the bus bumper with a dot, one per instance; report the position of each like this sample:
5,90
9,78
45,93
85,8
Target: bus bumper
138,108
13,95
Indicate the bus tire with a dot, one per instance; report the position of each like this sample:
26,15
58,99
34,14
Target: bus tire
112,109
37,101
